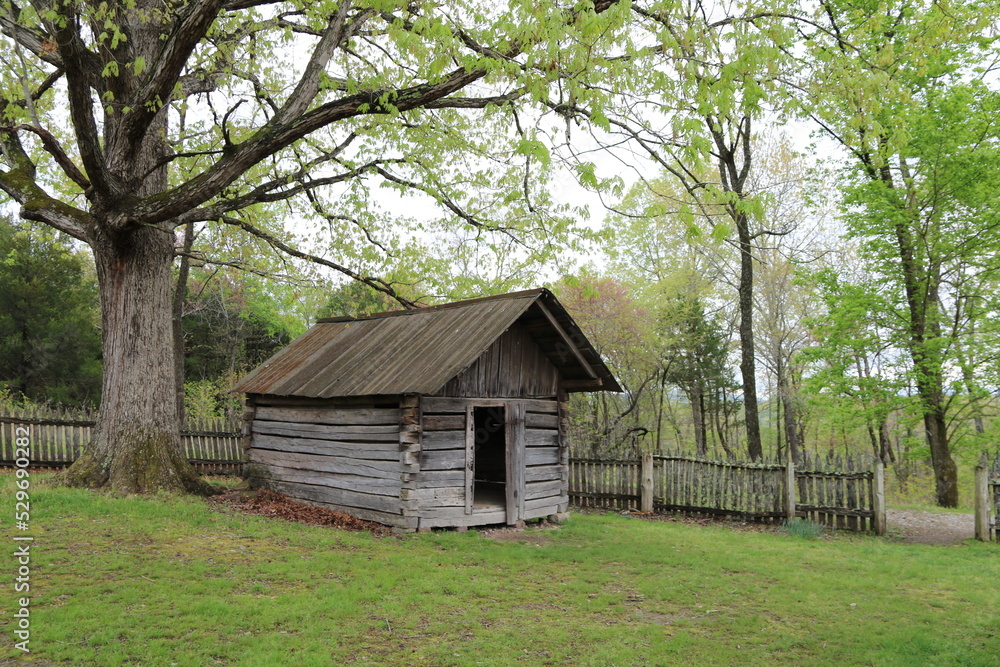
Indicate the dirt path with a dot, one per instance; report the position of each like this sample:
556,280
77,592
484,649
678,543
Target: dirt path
930,527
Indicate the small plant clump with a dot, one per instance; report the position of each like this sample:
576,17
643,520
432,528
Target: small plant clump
803,528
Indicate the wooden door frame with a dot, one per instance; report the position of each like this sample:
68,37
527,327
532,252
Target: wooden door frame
514,432
514,410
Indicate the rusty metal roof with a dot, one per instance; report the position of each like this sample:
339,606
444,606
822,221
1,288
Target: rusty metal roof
417,351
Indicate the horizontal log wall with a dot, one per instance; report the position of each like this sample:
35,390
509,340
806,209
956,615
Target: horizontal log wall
58,438
343,456
438,494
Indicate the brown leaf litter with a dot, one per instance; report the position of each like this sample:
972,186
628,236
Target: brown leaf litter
273,504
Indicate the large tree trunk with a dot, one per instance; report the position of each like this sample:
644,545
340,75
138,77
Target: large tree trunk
137,446
137,443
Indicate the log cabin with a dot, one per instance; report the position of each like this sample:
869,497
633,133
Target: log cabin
442,416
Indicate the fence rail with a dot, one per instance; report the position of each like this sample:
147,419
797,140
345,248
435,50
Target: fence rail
58,438
838,493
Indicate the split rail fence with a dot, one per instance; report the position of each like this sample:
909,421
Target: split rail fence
987,499
840,493
58,437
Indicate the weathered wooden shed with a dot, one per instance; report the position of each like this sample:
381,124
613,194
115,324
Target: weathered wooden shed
451,415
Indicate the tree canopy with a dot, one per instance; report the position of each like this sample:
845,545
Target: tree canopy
415,149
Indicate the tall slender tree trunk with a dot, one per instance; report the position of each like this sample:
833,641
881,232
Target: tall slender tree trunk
180,295
791,425
659,414
921,283
696,396
748,364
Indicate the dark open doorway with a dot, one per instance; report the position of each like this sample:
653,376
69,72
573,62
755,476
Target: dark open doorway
490,478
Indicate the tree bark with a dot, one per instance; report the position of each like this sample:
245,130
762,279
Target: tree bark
180,294
748,365
137,445
790,424
696,398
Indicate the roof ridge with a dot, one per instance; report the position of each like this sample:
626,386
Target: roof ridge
533,293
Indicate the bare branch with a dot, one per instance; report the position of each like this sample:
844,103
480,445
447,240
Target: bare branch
374,283
446,201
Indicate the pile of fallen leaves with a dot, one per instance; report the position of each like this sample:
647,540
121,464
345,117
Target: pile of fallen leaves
269,503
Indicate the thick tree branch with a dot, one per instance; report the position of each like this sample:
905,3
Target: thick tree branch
37,42
38,205
475,102
164,73
53,148
274,137
308,84
79,78
237,5
282,131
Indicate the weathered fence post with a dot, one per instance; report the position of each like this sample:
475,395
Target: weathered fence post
878,497
646,505
982,500
790,486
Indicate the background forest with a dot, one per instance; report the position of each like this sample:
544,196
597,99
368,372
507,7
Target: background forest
778,224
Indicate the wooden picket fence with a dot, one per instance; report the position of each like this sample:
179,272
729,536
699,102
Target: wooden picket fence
987,499
842,493
604,484
58,436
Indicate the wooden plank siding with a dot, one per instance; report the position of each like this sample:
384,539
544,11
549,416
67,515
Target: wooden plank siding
513,366
443,484
346,456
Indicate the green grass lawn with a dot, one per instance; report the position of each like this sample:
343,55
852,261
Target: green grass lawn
171,581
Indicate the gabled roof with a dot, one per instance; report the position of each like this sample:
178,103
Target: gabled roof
417,351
